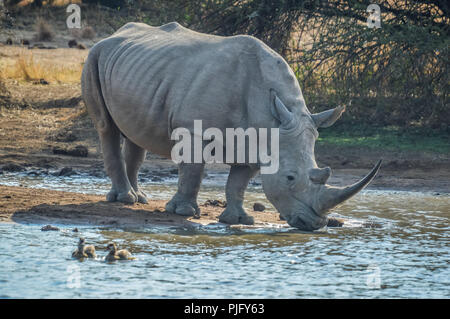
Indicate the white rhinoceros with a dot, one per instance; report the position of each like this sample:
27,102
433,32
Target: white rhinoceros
144,82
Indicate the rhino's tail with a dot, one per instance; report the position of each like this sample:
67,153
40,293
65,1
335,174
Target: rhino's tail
91,92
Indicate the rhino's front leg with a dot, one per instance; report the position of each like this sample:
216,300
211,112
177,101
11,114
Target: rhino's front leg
184,202
236,185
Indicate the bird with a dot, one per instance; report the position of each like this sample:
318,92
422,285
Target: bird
84,251
115,254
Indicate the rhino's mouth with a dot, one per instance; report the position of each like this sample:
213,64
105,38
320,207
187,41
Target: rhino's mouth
305,217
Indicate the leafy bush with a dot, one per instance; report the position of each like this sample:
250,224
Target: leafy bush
44,31
397,74
88,33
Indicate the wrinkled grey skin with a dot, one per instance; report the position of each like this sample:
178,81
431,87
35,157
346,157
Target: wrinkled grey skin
145,81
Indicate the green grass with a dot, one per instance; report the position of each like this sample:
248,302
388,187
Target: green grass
388,138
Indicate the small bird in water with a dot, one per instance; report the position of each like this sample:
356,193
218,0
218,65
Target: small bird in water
84,251
115,254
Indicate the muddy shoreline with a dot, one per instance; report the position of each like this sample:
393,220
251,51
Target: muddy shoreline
41,206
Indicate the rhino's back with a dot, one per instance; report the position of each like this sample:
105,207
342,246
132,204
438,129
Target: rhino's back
154,62
155,79
142,57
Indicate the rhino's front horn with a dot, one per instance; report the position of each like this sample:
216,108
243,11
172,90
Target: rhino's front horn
330,196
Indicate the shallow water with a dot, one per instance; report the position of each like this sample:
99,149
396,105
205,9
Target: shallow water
407,257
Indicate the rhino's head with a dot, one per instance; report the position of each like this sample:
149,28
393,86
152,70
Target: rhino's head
299,189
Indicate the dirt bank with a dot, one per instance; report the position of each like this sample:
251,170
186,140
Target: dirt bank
28,205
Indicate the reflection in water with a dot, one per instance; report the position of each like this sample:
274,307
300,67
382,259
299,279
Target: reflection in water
407,257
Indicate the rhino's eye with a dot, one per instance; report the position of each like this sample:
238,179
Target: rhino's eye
290,178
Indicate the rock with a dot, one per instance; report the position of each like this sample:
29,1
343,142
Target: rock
33,173
49,228
75,230
372,224
39,45
334,222
156,179
72,43
65,137
41,81
59,150
98,173
258,207
11,167
215,202
35,45
66,171
79,151
9,41
345,162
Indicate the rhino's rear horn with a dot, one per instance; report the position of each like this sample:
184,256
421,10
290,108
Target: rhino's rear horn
281,112
327,118
319,175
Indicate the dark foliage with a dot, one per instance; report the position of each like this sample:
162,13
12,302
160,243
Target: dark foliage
394,75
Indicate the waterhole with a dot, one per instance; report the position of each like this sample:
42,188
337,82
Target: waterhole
407,257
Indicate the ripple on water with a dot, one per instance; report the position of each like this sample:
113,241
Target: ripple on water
407,257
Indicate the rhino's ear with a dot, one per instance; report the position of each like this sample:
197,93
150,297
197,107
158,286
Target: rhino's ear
327,118
280,111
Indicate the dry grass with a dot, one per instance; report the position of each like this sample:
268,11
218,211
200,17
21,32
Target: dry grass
44,31
29,69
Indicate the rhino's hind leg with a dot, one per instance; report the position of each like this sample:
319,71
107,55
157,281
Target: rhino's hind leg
184,202
108,132
134,157
121,189
236,184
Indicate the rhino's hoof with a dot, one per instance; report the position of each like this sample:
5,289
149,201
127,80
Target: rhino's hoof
182,208
185,210
111,196
233,216
128,198
141,197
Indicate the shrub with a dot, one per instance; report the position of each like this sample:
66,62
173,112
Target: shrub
44,31
88,33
